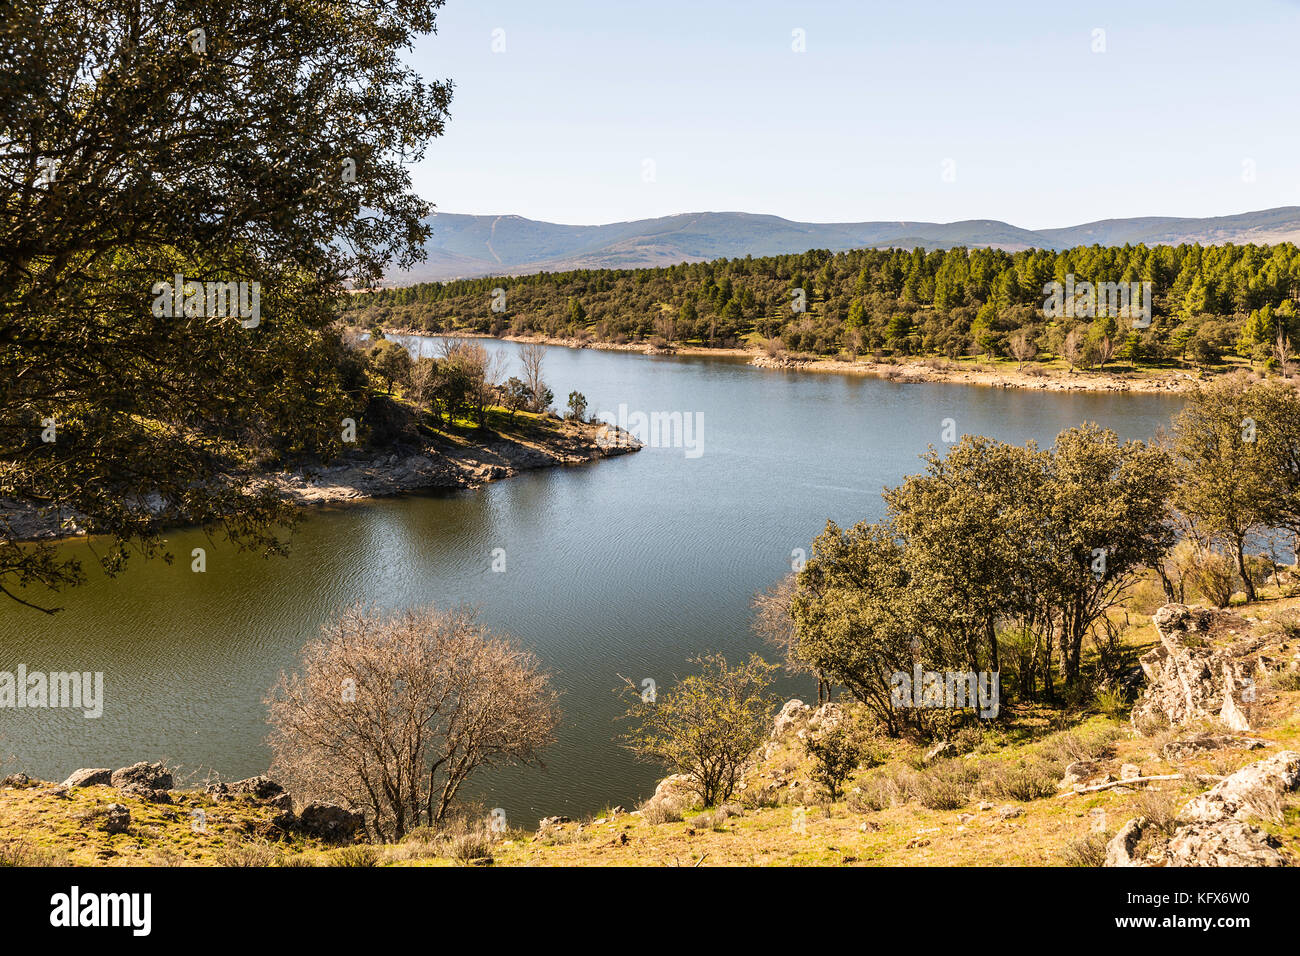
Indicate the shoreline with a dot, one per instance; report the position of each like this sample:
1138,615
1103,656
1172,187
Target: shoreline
360,476
930,370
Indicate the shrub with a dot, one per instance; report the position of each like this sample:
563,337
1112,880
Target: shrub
708,725
1088,850
656,812
947,785
359,854
837,752
1024,780
247,854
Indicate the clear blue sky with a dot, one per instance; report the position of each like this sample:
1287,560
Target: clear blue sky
1041,131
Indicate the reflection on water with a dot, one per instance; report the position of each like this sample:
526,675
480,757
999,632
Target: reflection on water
629,566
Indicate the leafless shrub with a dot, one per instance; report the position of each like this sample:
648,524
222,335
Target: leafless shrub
391,714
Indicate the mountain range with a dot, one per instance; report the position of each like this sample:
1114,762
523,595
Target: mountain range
466,246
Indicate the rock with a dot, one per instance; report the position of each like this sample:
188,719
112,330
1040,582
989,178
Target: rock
1130,771
151,776
1080,771
939,751
1239,795
1009,812
1188,678
259,788
793,713
141,792
826,717
1198,743
329,822
1226,843
983,805
117,818
16,780
90,777
1119,851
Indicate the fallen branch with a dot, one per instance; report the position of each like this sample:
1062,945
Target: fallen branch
1122,783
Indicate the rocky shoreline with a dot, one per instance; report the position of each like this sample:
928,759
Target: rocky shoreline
1034,378
938,371
361,475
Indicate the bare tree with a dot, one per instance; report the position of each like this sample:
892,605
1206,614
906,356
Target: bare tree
773,623
531,357
1022,348
1072,348
391,714
1105,350
1282,352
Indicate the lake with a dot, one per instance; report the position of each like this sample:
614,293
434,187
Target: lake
629,567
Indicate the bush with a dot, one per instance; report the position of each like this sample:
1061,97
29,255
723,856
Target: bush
708,725
661,811
246,854
947,785
838,752
1024,780
1089,850
360,854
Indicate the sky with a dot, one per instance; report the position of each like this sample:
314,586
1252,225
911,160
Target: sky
1040,114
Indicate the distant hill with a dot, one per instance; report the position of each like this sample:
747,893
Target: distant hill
467,246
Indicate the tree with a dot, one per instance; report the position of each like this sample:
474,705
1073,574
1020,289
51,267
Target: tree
577,406
391,362
1226,487
852,614
1072,348
839,751
131,152
1022,347
708,725
531,357
391,714
516,395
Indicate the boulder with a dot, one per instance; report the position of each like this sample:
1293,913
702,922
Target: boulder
1188,678
793,713
1080,771
141,792
1199,743
826,717
1226,843
117,818
1241,794
1212,828
151,776
16,780
329,822
90,777
259,788
1120,849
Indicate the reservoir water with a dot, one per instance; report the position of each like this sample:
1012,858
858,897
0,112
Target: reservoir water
629,567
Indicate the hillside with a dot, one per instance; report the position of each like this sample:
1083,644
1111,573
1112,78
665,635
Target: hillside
465,246
1182,779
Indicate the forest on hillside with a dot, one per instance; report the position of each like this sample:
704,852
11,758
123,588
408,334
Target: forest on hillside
1206,302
